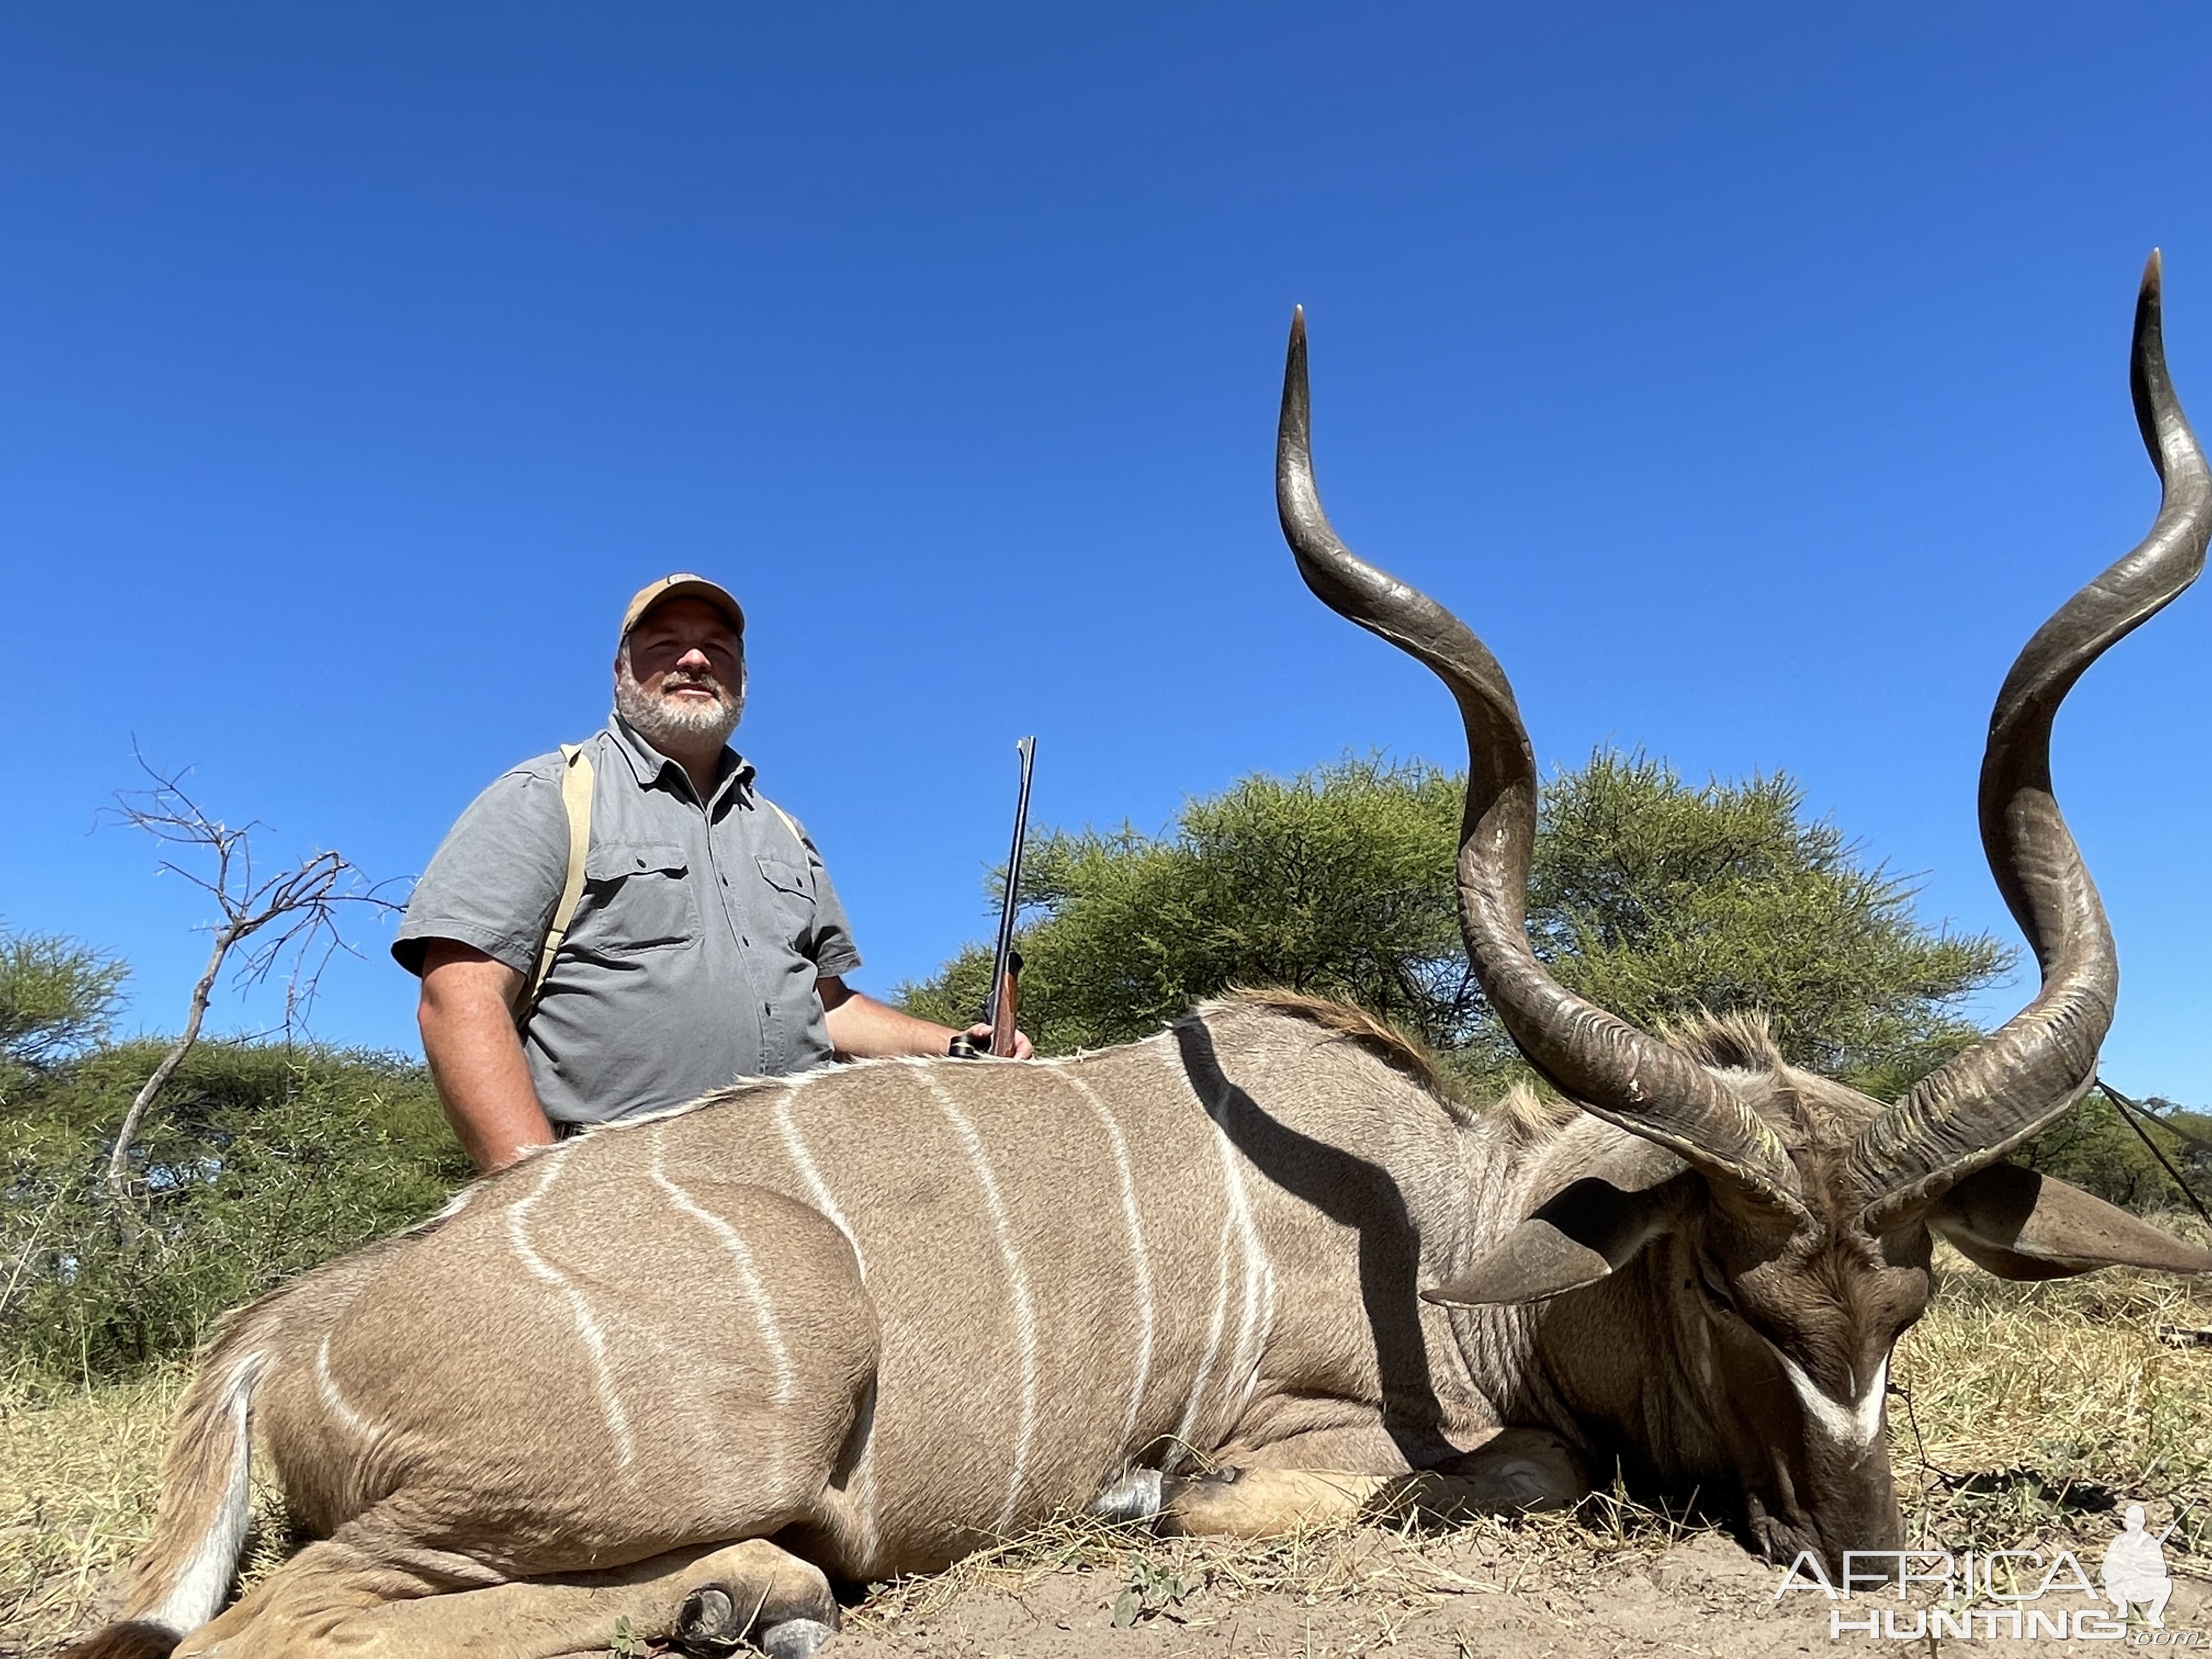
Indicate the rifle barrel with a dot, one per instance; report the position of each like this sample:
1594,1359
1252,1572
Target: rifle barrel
1002,960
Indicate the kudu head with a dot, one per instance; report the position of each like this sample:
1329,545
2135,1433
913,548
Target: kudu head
1782,1220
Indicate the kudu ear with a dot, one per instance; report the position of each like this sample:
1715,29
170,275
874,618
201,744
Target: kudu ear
1575,1238
2019,1224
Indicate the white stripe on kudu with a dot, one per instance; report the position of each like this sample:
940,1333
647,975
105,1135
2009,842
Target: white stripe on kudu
803,1161
748,1276
1171,1058
587,1326
326,1390
1188,1425
862,1491
1244,1359
1018,1280
1138,1258
1255,1318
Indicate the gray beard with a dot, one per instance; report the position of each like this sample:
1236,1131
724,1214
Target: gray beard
666,721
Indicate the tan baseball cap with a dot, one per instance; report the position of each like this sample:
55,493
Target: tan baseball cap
682,586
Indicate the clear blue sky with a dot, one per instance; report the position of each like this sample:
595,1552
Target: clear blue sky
1753,377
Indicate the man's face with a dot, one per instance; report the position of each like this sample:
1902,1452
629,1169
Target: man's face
681,674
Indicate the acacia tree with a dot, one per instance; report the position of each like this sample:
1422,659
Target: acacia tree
1656,899
287,919
1652,897
58,997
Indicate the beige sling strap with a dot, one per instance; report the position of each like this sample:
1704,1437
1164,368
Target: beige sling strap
788,822
576,801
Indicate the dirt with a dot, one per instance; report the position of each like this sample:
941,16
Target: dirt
1497,1590
1461,1598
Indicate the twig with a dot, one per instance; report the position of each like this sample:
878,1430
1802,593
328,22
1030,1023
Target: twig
31,1245
294,913
2127,1109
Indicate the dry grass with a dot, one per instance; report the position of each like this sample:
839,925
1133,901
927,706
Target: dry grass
77,1472
2025,1411
2036,1404
76,1496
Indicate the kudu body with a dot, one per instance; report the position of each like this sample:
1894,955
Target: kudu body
1258,1267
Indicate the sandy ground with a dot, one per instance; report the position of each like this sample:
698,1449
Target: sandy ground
1552,1586
1457,1597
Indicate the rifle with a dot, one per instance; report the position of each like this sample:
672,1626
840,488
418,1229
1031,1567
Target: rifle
1005,961
2176,1521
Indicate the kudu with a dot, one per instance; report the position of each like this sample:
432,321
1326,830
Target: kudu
685,1371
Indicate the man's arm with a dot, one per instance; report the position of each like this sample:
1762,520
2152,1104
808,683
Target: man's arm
467,1017
861,1028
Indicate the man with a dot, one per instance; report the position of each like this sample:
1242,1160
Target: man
706,943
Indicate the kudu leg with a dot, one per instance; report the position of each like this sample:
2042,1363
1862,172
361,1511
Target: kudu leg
769,1596
708,1599
1517,1470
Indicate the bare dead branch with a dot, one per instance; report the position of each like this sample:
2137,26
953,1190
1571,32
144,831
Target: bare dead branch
293,917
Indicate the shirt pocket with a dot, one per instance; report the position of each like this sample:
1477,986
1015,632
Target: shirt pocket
643,898
790,893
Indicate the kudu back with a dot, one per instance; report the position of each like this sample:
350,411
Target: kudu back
685,1372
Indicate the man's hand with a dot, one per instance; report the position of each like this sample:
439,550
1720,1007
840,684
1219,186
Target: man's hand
467,1017
979,1034
860,1028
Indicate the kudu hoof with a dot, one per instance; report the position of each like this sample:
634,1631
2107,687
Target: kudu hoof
717,1618
1135,1496
710,1621
794,1639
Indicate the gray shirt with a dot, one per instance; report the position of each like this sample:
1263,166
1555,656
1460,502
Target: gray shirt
692,957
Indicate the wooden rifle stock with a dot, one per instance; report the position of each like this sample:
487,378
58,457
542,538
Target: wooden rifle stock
1003,1001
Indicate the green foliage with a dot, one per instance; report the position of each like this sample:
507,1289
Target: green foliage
263,1161
1647,895
1150,1588
1335,883
2093,1147
1656,899
58,995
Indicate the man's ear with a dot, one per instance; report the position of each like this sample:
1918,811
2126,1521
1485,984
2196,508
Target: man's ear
1575,1238
2019,1224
